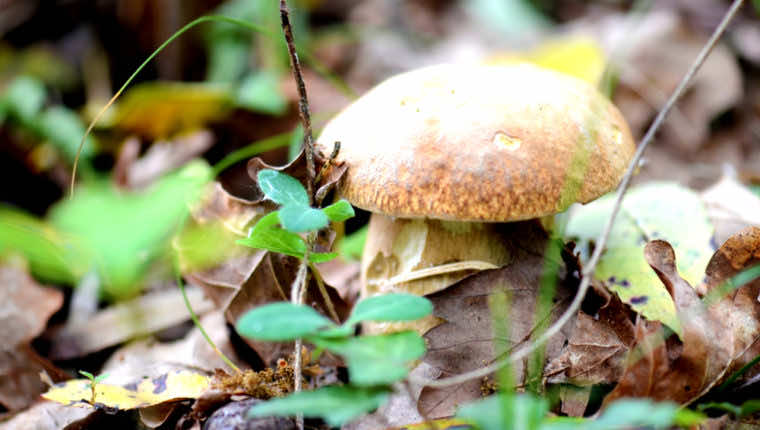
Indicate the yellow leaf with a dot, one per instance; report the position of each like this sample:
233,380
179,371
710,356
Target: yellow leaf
159,110
576,56
174,385
440,424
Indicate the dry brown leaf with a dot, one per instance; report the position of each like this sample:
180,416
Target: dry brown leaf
47,415
717,330
465,340
144,315
257,278
24,311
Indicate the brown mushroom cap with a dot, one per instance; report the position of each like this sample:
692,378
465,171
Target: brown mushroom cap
479,143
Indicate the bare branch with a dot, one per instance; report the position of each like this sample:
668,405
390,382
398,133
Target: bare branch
303,102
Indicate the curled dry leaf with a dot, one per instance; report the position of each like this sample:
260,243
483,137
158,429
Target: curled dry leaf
127,320
596,350
465,340
46,415
297,169
24,311
717,330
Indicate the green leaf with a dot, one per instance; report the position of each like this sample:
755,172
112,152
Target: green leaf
24,98
281,188
339,211
653,211
281,321
390,307
296,142
87,375
351,247
624,414
120,233
64,129
52,255
376,360
300,218
266,235
321,257
506,411
336,405
260,92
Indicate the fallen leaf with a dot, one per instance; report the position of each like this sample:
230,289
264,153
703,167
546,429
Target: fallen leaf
465,340
652,211
47,415
24,312
159,110
140,393
596,350
666,368
144,315
164,156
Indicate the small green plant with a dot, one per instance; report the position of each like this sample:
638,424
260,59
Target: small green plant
94,380
374,362
278,230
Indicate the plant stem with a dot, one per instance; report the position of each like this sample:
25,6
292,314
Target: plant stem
303,102
601,241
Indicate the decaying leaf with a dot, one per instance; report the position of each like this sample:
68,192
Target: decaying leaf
24,311
596,350
140,393
47,415
465,340
717,330
652,211
127,320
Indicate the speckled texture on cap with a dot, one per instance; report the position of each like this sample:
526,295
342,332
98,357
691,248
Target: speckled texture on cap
479,143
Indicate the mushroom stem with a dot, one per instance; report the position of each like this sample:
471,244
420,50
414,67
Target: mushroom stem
422,256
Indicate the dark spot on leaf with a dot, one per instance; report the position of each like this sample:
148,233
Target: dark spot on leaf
160,384
132,386
625,283
638,300
611,279
687,388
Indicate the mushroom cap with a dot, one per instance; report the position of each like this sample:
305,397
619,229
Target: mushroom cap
479,143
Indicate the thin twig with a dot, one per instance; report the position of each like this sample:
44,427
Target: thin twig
325,294
303,101
299,285
588,271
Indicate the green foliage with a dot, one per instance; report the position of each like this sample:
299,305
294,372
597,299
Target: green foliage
747,408
24,98
295,216
282,189
653,211
122,233
351,247
267,235
299,219
339,211
528,412
52,256
374,362
281,321
64,129
260,92
390,307
336,405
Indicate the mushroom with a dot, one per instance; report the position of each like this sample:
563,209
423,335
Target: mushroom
444,155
